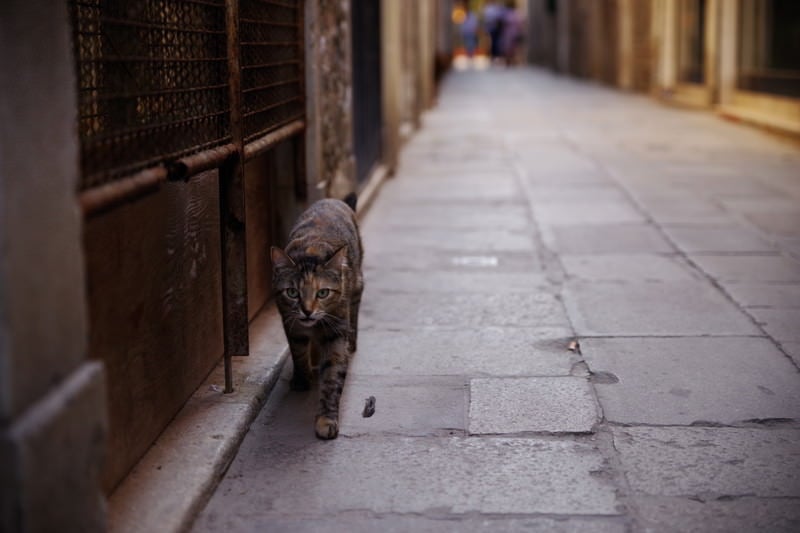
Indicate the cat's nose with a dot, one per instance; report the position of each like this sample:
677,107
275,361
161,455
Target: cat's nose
306,312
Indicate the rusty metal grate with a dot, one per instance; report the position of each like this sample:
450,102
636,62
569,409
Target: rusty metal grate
152,80
270,34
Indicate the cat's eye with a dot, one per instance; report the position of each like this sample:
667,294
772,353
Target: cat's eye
292,293
323,293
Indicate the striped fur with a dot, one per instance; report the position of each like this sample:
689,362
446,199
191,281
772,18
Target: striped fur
318,284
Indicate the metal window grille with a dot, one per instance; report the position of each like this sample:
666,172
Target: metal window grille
272,68
152,82
154,79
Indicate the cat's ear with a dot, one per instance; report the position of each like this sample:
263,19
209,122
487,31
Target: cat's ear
338,261
280,259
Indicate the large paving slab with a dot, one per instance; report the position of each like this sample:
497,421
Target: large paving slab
483,351
599,212
404,405
685,515
667,381
608,239
541,405
776,295
452,476
640,309
708,238
759,204
366,522
783,223
749,268
451,216
578,197
443,240
710,462
629,268
679,207
412,406
487,279
466,310
488,192
426,261
792,349
783,325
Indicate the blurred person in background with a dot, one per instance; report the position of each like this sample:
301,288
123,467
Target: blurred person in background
493,14
511,34
469,33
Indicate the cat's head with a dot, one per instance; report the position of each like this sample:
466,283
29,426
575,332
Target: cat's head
309,290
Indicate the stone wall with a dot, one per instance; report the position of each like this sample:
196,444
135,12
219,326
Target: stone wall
330,165
52,400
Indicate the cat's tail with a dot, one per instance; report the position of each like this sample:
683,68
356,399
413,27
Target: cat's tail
351,200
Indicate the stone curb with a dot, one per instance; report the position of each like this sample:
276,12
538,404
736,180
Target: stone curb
175,478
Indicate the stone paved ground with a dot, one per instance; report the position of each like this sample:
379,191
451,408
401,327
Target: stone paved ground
531,211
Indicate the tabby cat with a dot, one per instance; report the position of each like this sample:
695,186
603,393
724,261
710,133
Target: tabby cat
318,284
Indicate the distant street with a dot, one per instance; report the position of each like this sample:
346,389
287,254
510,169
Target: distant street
582,313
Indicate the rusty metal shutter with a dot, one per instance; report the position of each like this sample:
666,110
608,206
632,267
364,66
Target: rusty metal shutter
152,81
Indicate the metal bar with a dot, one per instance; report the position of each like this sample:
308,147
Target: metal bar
99,178
102,198
232,213
277,4
270,65
145,94
283,44
271,86
271,106
146,59
189,166
141,130
259,22
159,26
268,141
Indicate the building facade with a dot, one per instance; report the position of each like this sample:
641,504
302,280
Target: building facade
738,57
151,154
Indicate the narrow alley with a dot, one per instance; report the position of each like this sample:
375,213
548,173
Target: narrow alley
582,313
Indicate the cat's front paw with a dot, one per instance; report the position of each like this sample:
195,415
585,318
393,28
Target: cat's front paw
326,428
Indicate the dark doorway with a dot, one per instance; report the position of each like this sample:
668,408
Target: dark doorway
769,61
691,41
367,119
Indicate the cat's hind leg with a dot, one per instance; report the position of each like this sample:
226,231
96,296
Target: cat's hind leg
332,372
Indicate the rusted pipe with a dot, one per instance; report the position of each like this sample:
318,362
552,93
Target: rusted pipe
97,200
102,198
192,165
269,140
232,212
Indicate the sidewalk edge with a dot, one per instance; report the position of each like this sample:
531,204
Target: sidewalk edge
173,481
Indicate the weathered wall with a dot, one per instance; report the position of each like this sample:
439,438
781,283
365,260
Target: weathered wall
271,208
155,307
331,170
604,40
52,400
542,32
641,53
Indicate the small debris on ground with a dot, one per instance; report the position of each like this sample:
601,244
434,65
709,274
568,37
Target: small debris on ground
369,407
574,346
